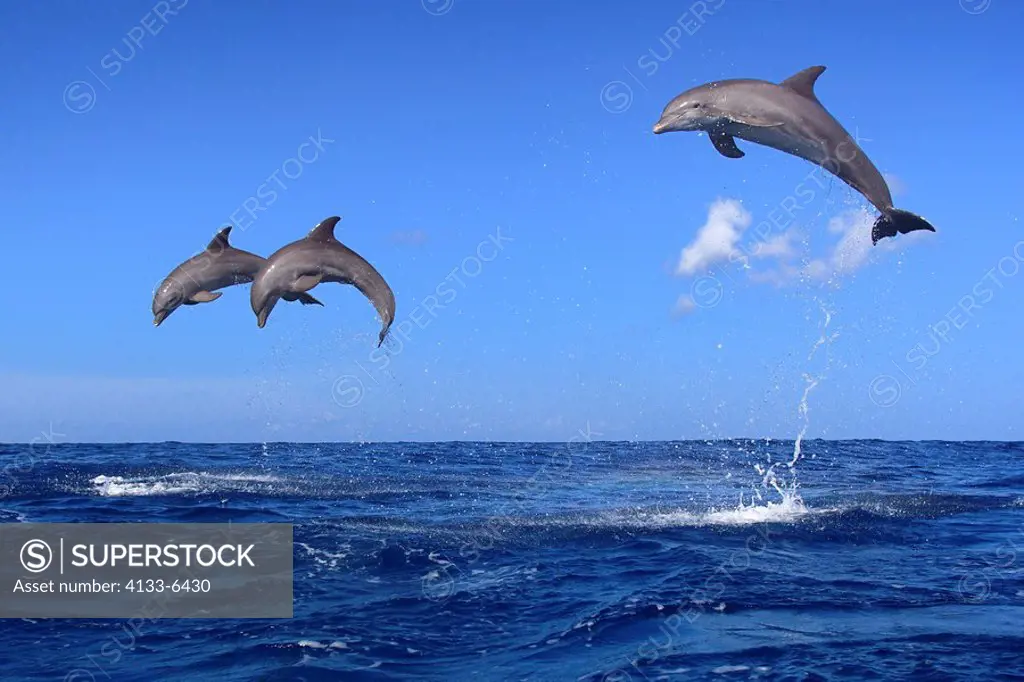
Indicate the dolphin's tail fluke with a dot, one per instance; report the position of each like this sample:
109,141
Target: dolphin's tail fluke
897,221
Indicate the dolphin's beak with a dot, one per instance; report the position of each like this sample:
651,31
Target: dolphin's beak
664,125
264,312
160,317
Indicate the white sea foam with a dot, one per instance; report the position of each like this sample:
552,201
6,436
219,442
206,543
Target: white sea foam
322,557
176,483
789,509
19,517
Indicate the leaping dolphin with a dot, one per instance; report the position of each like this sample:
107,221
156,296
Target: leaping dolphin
787,116
319,257
197,279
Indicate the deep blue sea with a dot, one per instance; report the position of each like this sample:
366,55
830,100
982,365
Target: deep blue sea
718,560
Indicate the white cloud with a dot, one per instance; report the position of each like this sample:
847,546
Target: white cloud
854,249
780,247
718,241
717,238
780,276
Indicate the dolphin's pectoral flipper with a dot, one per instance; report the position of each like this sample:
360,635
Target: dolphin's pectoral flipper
203,297
726,145
306,282
304,299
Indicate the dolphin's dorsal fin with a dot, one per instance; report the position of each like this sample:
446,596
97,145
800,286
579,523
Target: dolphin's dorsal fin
220,242
324,232
803,82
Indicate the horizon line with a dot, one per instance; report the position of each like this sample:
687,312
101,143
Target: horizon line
513,442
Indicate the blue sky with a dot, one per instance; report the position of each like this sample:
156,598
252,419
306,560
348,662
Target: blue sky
446,128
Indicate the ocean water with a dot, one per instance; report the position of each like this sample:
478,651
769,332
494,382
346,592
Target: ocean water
719,560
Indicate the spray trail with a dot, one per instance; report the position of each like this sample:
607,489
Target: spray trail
812,380
787,489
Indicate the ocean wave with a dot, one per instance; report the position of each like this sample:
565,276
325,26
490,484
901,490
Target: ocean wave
304,485
12,516
179,483
323,557
313,644
790,509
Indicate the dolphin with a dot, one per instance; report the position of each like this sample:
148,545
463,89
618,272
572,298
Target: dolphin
197,279
318,257
787,116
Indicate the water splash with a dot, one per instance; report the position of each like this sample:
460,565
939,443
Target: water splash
788,486
811,381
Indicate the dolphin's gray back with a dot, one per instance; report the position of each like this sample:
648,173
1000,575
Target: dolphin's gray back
808,131
336,263
235,266
209,271
348,267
